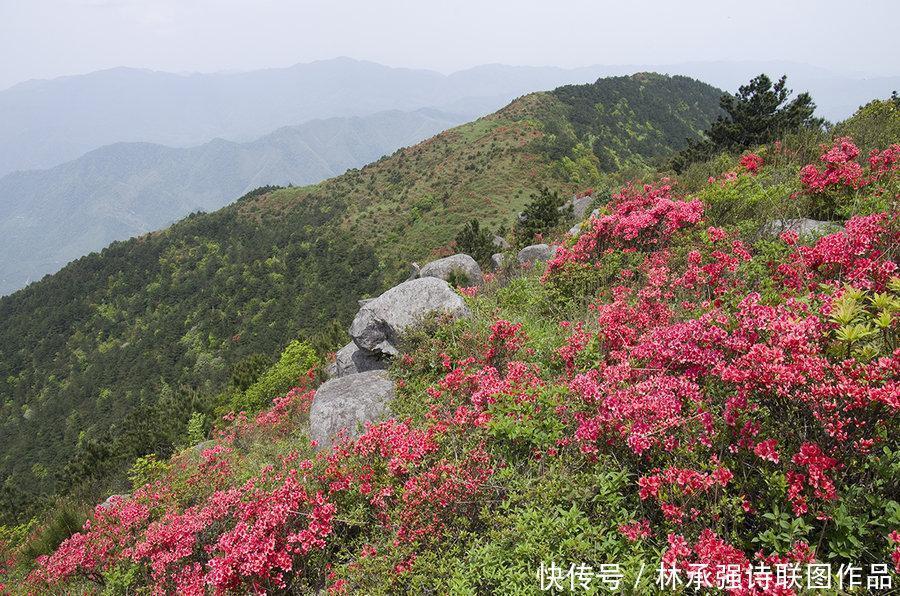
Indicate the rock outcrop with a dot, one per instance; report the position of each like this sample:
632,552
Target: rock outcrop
535,253
344,405
113,499
351,360
379,324
580,206
802,226
459,264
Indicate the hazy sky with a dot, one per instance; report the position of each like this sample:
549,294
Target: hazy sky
48,38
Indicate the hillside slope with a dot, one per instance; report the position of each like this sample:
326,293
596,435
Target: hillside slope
153,328
682,396
127,189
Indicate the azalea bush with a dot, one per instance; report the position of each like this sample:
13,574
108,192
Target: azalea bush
673,388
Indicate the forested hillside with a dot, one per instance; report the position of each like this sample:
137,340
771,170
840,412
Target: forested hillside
157,328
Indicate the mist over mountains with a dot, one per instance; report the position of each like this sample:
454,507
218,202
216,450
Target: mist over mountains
46,122
49,217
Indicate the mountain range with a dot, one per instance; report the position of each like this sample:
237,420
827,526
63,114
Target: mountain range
46,122
127,189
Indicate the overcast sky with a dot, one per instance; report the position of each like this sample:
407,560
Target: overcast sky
49,38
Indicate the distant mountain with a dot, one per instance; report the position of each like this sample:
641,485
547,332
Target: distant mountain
99,359
46,122
49,217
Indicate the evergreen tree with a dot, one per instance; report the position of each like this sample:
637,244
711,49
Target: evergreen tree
476,242
759,113
541,215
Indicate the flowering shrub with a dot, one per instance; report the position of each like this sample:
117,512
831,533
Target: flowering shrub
751,162
725,401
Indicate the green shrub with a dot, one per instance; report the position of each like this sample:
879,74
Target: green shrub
296,359
145,470
61,522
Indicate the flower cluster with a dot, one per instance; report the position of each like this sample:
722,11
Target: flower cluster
751,162
640,217
841,168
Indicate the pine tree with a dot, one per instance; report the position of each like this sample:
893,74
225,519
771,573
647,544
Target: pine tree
758,113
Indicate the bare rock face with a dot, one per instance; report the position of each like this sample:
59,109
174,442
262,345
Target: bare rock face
802,226
535,253
501,243
461,264
351,360
580,206
345,404
379,324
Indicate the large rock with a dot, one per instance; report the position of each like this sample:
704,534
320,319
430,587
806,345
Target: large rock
351,360
584,224
535,253
461,264
112,500
379,324
345,404
802,226
580,206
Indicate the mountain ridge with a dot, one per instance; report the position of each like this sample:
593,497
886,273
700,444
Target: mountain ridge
81,202
77,113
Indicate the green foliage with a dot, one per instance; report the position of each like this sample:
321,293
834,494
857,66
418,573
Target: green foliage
145,470
475,241
295,361
120,580
875,125
196,429
627,121
156,326
758,113
246,371
866,328
541,216
60,523
576,286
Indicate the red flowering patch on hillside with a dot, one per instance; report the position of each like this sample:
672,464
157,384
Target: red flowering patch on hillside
727,402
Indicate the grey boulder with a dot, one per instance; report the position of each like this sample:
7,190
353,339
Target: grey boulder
461,264
501,243
345,404
802,226
379,324
497,260
112,500
535,253
351,360
580,206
